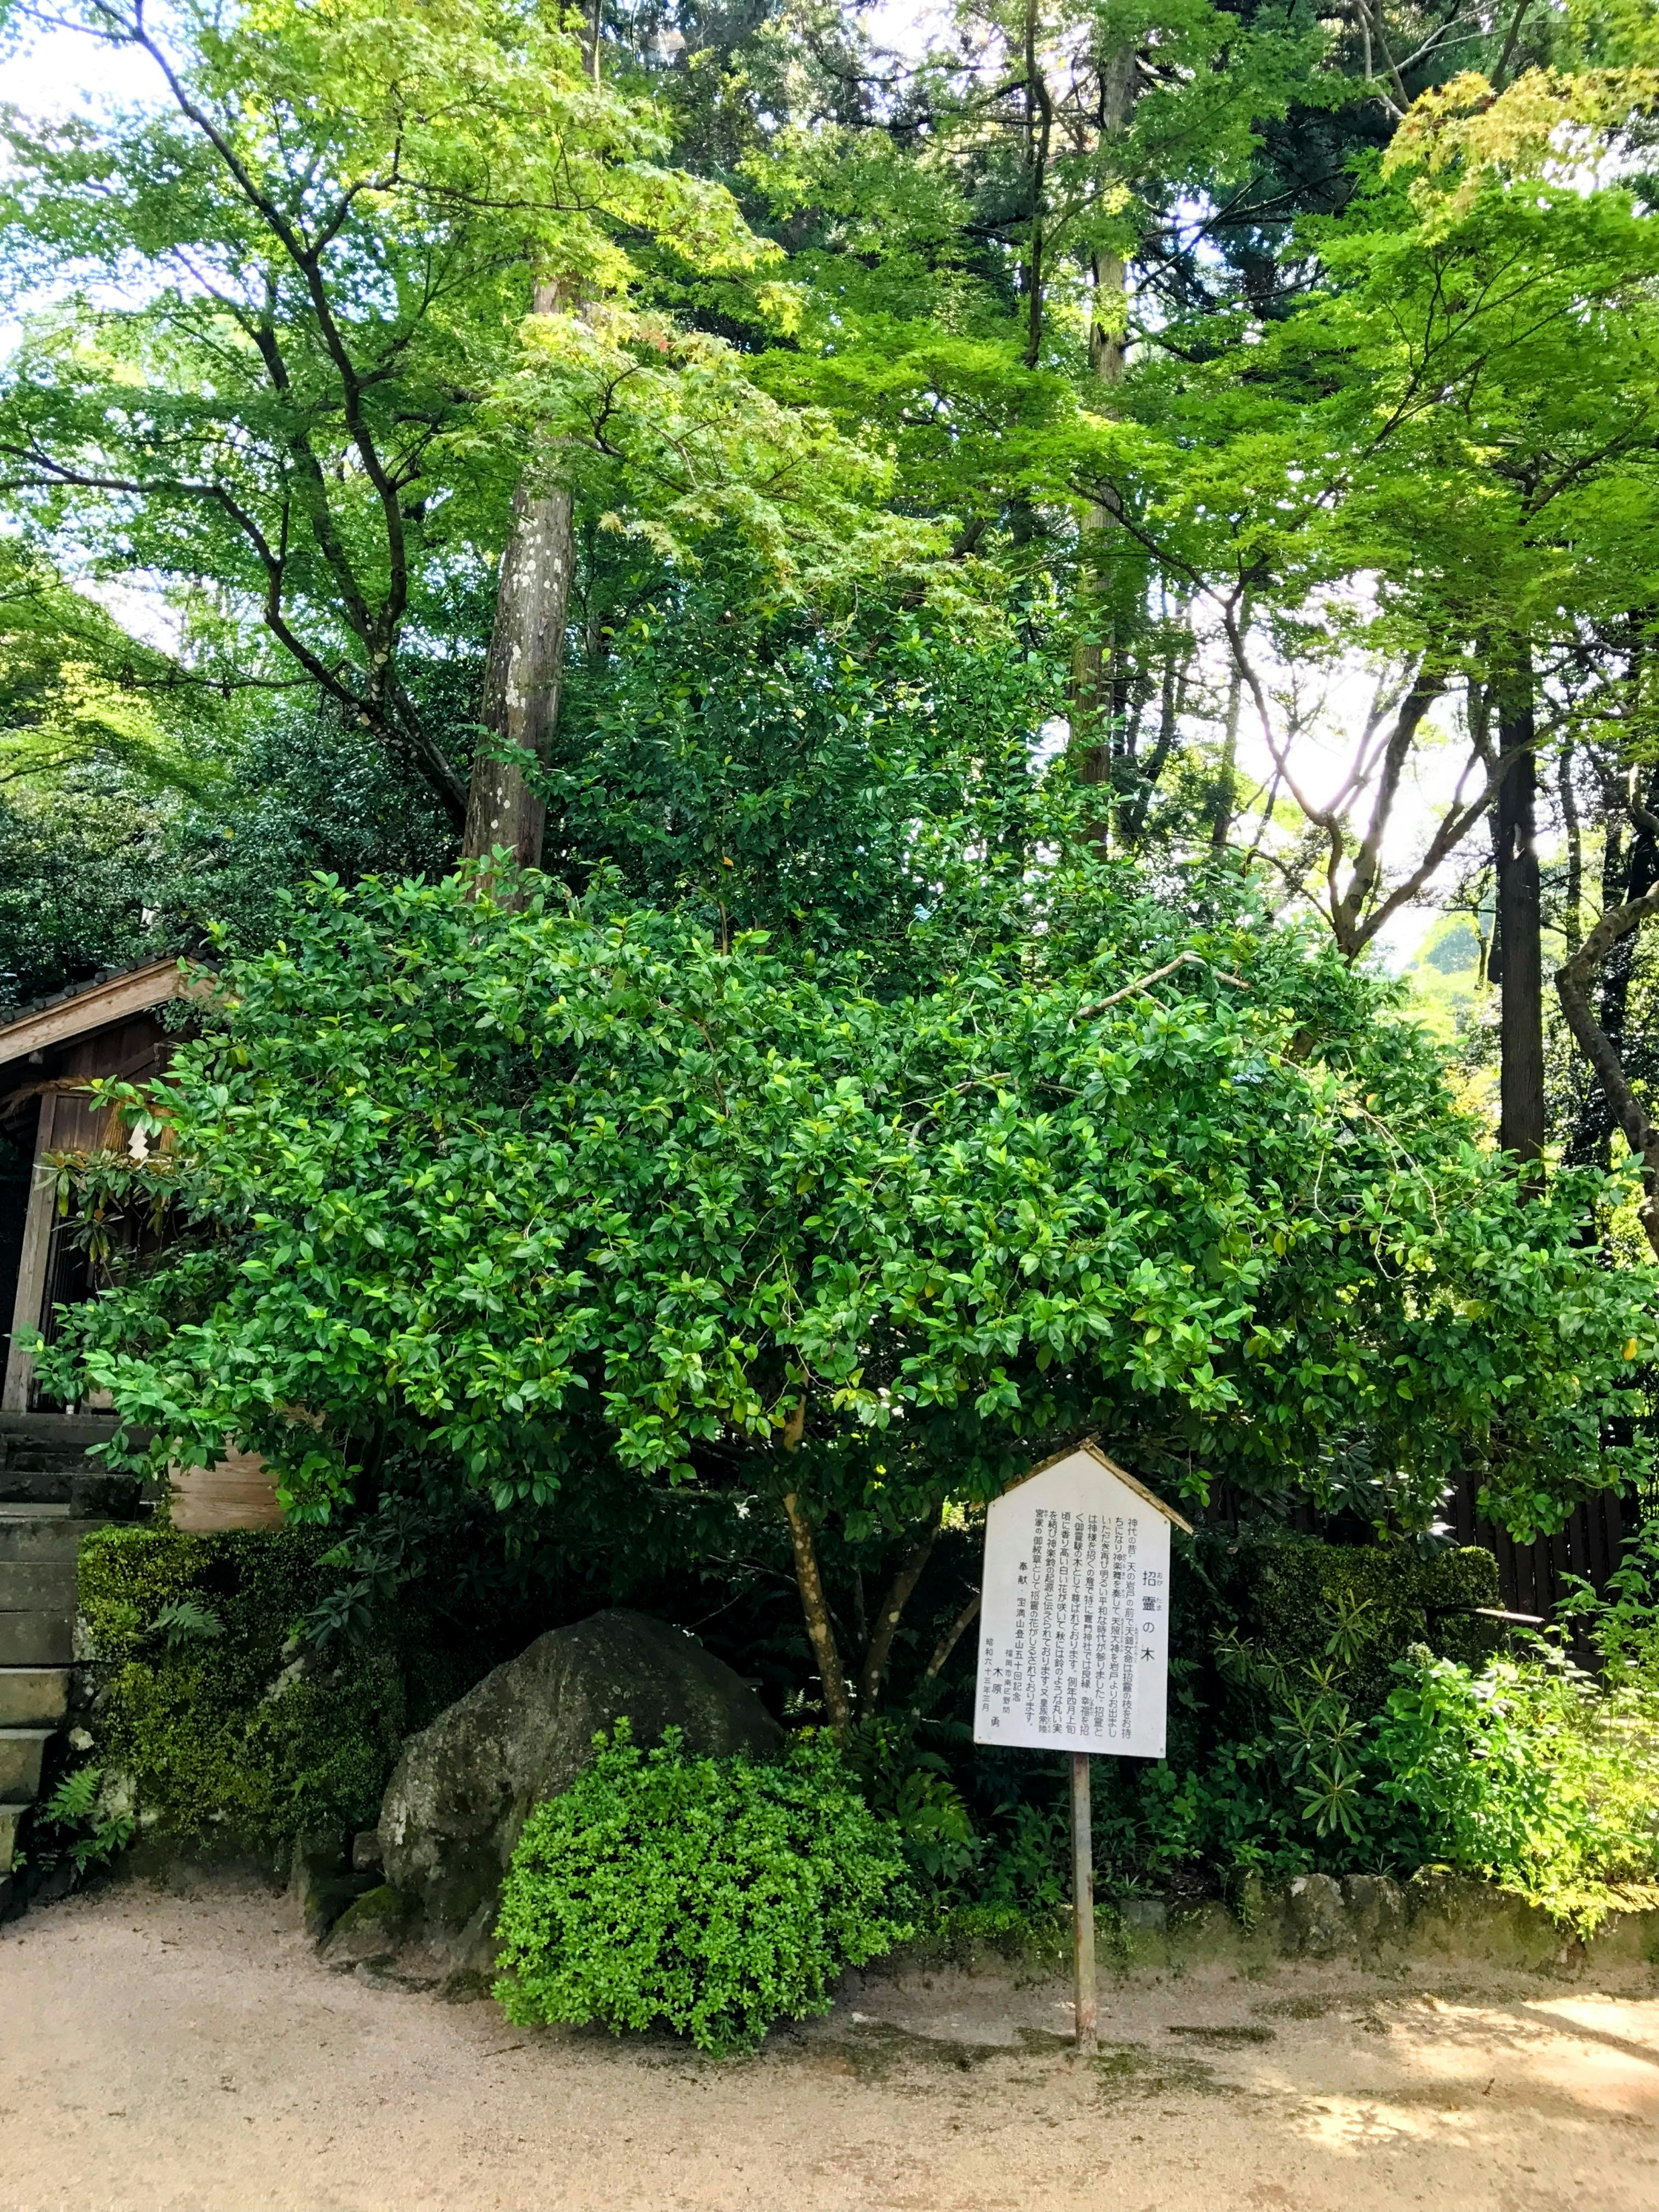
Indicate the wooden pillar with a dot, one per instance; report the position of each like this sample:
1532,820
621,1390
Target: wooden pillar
1082,1908
31,1267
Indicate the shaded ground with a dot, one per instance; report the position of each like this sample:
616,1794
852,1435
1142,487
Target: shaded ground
191,2052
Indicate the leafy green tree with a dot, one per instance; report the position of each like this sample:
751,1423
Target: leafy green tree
559,1186
760,768
77,690
292,384
102,746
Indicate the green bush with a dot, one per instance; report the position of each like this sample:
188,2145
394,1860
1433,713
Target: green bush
1528,1775
714,1895
219,1731
1283,1651
1359,1607
1623,1622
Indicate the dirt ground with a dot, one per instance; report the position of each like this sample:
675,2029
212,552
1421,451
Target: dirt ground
191,2052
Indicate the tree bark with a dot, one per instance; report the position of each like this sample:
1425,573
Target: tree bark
819,1627
1521,980
1629,870
525,671
816,1607
1227,786
1573,912
1039,127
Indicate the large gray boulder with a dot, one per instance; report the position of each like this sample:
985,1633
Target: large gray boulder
465,1786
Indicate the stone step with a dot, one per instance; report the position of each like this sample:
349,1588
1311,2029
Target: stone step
87,1491
22,1750
14,1515
11,1818
43,1458
37,1585
46,1534
32,1486
33,1697
36,1639
20,1434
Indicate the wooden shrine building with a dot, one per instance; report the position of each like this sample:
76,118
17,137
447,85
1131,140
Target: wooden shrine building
49,1055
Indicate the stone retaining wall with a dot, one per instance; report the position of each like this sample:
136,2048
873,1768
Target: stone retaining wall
1371,1920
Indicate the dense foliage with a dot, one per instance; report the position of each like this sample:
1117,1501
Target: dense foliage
199,1708
1527,1774
711,1896
542,1184
225,1713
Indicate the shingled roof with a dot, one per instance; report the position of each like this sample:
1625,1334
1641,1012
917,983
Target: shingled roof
114,994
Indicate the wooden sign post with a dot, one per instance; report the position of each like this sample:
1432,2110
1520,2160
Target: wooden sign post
1073,1648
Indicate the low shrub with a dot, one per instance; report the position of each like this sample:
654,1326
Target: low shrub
1622,1623
1302,1602
1284,1652
714,1896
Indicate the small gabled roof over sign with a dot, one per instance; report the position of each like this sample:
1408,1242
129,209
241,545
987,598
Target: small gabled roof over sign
114,996
1089,1445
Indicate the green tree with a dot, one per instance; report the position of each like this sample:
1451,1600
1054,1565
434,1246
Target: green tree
291,381
566,1191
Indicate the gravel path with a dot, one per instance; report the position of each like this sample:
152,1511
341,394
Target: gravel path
163,2050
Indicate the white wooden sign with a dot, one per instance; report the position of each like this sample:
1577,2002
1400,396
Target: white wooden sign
1074,1618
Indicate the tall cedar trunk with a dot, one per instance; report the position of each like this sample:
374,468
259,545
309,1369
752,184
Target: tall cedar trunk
523,674
1521,1016
1093,653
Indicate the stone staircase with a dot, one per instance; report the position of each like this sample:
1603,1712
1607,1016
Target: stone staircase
50,1496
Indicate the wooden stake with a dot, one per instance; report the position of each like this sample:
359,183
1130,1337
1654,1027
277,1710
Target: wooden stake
1082,1908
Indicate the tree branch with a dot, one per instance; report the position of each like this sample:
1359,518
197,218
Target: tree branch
1573,982
948,1642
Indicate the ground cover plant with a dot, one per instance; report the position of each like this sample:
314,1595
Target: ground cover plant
214,1730
713,1896
254,1686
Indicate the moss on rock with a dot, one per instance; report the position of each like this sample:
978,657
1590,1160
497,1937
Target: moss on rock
222,1736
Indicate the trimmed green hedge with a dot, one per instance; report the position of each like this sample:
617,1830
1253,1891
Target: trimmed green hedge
222,1737
1295,1592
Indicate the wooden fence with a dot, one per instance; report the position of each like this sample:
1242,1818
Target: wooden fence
1532,1577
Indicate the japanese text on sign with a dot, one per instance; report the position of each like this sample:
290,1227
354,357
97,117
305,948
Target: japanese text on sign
1073,1645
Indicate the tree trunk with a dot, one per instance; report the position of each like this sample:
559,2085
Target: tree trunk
837,1702
523,674
1572,911
837,1705
1520,982
1227,785
1093,653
